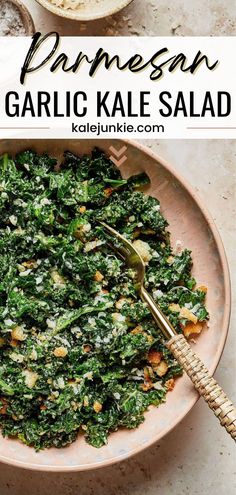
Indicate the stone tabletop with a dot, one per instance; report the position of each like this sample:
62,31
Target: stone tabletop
197,457
149,18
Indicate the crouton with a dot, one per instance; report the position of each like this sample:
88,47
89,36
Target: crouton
3,408
14,343
18,334
183,312
161,368
174,307
121,302
192,328
87,348
97,406
186,313
154,357
143,249
108,191
57,278
202,288
60,352
137,330
98,277
30,264
146,386
169,384
148,375
30,378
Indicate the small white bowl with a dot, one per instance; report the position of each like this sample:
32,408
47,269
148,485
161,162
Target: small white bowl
90,10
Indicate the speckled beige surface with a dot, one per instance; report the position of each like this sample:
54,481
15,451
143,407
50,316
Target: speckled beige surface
86,10
149,18
196,458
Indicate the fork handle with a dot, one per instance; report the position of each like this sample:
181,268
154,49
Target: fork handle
204,383
206,386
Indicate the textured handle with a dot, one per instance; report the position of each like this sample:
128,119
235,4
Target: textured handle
207,387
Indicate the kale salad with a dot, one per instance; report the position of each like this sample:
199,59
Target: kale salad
79,350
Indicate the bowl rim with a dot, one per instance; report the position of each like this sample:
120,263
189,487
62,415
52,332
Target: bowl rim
75,15
26,17
225,327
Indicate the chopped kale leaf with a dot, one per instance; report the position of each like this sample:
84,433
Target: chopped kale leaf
79,351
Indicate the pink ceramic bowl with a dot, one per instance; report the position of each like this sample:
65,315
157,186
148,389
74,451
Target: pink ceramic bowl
190,223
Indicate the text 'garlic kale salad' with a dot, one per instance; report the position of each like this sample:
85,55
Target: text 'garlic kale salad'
79,351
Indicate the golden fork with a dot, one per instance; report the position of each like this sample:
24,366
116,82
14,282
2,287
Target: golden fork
203,382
